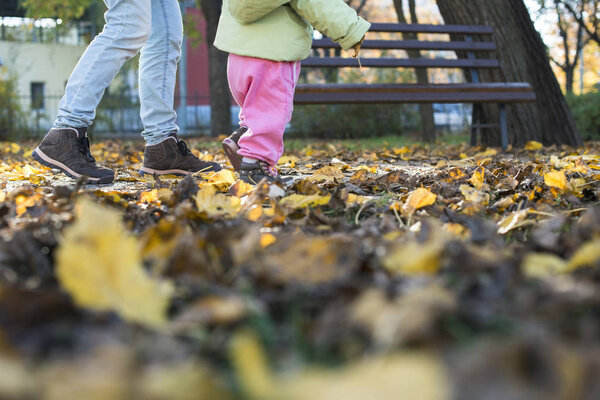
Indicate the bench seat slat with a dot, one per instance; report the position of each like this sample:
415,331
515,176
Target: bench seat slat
413,88
407,97
423,28
386,62
413,45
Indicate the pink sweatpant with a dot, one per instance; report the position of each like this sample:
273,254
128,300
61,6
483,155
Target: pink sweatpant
264,90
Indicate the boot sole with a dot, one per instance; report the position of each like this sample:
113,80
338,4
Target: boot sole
231,149
43,159
177,172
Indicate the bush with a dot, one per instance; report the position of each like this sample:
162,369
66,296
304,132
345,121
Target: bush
586,111
11,115
353,121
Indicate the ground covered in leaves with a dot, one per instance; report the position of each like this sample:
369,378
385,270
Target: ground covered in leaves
401,272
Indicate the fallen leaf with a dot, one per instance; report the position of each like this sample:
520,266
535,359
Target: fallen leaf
417,199
556,179
512,221
216,204
533,146
587,255
540,265
99,265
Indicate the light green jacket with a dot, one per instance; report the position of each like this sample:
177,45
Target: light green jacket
282,30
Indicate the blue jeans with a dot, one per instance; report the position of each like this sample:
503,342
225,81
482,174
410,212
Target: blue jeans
152,26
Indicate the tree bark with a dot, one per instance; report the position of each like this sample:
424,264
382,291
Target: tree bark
523,57
220,100
425,110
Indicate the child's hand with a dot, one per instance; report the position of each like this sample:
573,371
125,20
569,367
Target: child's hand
356,47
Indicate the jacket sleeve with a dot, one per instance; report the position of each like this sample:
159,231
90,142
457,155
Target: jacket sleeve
248,11
334,18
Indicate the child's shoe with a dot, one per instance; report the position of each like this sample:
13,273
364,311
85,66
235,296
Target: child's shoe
231,147
256,171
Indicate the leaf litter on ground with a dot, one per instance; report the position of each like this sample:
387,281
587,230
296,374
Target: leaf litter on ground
378,272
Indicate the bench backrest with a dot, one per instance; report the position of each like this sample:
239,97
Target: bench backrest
485,44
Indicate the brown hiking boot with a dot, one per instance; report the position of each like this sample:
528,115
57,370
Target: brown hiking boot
172,157
68,149
231,147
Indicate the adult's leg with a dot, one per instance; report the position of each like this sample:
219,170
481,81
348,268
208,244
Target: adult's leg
127,29
158,71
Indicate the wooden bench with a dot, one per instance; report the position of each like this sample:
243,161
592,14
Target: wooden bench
474,92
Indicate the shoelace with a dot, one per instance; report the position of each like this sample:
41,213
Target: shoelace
268,169
83,145
183,148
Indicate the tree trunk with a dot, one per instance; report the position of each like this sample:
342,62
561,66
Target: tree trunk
570,79
425,110
523,57
220,100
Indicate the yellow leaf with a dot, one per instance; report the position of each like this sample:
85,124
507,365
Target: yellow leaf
301,201
415,259
14,148
99,265
216,204
539,265
290,159
417,199
222,180
23,202
267,239
255,213
149,197
478,178
533,145
556,179
405,376
241,188
513,221
251,367
586,255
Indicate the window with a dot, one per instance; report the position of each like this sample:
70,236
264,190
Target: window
37,95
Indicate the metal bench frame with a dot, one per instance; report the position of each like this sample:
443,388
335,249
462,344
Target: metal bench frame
475,92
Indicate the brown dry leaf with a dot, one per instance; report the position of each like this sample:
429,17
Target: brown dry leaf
418,199
474,196
556,179
309,261
326,175
100,266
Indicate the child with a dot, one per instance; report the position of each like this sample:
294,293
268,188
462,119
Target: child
266,40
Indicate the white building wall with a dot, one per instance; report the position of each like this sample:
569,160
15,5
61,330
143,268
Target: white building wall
40,62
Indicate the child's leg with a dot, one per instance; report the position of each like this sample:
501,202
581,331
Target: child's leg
265,91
